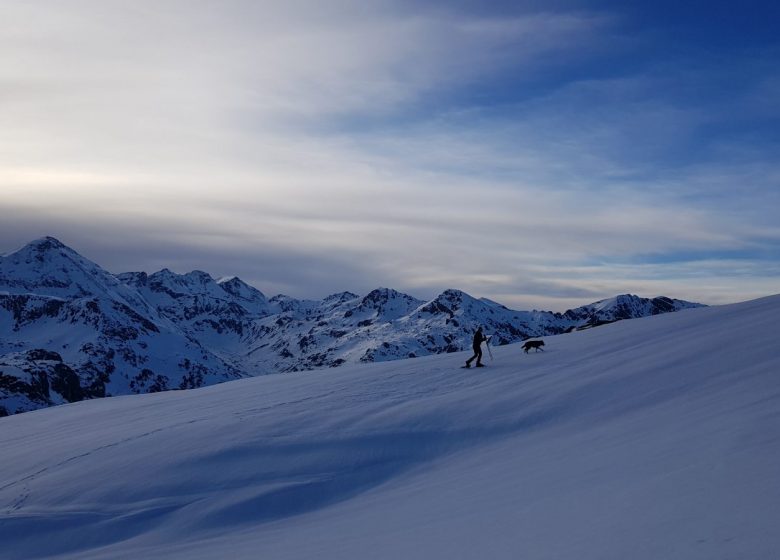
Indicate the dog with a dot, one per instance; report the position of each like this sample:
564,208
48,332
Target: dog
535,344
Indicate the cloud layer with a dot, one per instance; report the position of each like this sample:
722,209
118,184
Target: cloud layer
542,158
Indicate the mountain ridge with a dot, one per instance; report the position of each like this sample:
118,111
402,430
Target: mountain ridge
137,332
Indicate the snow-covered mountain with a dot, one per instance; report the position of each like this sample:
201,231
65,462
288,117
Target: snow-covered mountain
55,303
216,314
644,439
137,332
387,325
46,267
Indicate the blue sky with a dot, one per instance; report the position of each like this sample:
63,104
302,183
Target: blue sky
541,154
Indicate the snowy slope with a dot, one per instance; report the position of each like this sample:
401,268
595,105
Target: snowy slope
644,439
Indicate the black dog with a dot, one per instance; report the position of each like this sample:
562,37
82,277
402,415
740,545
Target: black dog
535,344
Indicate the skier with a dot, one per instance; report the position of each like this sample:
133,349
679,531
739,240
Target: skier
479,338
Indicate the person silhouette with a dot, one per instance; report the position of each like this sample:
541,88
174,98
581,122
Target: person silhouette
479,338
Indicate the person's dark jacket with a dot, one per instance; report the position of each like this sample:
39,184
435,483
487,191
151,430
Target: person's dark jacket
479,338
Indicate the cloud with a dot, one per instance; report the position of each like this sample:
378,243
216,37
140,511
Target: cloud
313,148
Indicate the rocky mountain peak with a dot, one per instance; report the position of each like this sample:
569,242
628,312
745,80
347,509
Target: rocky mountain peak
44,244
455,299
381,295
340,297
388,304
48,267
40,250
199,276
135,279
191,283
240,289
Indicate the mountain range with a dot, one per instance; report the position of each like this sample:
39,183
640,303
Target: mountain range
70,330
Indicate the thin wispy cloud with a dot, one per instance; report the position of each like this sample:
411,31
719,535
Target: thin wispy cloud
535,156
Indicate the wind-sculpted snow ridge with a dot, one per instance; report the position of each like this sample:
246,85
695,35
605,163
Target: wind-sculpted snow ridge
644,439
137,332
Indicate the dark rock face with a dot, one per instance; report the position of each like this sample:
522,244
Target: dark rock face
26,309
38,378
149,382
41,354
65,381
35,388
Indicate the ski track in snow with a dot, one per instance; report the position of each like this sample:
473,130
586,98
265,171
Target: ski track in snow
92,452
654,438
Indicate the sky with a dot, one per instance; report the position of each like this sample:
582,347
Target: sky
542,154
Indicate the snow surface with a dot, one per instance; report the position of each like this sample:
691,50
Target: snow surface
644,439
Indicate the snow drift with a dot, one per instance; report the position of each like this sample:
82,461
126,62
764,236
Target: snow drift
643,439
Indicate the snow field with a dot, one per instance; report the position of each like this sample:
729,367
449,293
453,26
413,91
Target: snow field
649,438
